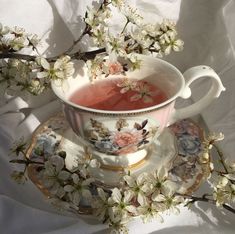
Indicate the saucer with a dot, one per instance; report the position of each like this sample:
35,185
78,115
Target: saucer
161,153
178,148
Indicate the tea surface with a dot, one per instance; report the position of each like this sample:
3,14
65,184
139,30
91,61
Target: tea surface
119,94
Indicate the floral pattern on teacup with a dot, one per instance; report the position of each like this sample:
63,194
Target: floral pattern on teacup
124,139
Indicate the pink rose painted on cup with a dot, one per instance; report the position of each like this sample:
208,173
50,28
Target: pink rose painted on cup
123,139
127,141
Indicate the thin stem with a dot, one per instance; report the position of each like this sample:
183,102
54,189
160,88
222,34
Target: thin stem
26,162
17,56
211,201
222,159
127,22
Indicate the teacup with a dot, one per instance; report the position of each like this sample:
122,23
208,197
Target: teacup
129,133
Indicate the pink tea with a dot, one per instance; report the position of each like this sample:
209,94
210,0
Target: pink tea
118,94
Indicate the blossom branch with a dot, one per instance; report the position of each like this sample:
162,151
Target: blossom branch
208,200
78,55
26,162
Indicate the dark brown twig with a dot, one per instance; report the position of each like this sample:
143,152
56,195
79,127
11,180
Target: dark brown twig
78,55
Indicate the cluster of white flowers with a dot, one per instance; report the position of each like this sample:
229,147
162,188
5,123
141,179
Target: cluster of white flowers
146,195
72,187
15,39
136,37
224,189
21,76
31,75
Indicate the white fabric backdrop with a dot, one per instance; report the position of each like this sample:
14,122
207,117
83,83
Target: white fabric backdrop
209,35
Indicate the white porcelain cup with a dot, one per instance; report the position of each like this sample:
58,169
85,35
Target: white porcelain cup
140,127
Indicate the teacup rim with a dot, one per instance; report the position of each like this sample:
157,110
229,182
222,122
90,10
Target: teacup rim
126,112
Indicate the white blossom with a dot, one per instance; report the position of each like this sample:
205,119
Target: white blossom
84,162
18,43
126,85
99,35
117,45
120,205
53,176
62,69
95,18
18,31
143,93
135,62
169,200
159,182
36,87
79,189
3,30
100,204
131,14
152,30
150,210
139,186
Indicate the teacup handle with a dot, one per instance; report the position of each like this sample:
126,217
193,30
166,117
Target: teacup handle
191,75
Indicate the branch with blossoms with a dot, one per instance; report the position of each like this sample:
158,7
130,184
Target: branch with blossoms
222,181
147,195
113,54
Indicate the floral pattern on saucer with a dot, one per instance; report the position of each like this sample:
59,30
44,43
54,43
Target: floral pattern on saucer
186,166
186,169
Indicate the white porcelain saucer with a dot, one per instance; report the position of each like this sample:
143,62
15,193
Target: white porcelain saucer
178,149
162,152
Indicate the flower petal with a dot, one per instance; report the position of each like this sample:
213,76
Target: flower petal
63,175
58,162
76,198
128,195
159,198
75,178
102,194
44,64
130,180
169,188
143,201
131,209
88,181
141,179
116,195
86,193
162,174
68,188
42,74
